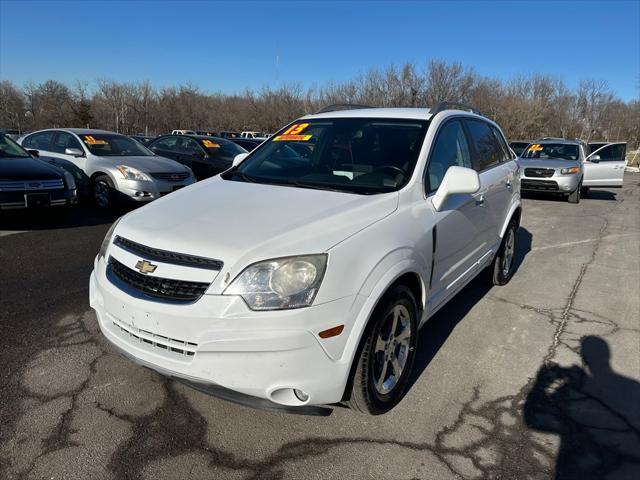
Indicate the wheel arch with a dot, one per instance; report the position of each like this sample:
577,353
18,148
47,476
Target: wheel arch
515,213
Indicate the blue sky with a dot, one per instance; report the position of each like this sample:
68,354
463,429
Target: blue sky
229,46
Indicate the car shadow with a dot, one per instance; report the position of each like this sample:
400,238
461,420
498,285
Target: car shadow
82,215
437,329
594,410
599,195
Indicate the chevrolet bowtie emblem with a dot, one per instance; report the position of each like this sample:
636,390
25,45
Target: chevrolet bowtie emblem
145,267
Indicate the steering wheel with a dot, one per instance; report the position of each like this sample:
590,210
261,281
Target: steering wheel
396,170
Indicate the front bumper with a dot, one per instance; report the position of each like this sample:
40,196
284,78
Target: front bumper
556,184
218,342
148,190
17,200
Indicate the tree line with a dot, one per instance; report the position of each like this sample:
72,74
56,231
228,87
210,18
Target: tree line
526,107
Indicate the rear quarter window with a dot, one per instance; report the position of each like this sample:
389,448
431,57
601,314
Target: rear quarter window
486,149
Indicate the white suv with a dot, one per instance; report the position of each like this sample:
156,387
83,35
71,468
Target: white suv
301,275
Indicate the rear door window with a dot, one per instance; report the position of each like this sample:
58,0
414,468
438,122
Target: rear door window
39,141
484,145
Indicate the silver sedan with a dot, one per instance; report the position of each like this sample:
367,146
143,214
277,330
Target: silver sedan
110,166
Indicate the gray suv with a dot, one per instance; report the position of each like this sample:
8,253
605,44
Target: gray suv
553,165
112,166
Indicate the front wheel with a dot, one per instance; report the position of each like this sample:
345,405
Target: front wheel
574,197
103,192
385,359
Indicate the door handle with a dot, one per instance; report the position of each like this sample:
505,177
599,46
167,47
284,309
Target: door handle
480,200
508,184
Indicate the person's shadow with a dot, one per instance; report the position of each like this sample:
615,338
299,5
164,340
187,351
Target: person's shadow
595,411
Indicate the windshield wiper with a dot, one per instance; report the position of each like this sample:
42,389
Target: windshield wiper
244,176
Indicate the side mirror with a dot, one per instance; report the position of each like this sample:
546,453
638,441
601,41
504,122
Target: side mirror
239,158
34,153
457,180
594,159
76,152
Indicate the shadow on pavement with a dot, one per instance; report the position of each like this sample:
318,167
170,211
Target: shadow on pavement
435,332
594,410
58,218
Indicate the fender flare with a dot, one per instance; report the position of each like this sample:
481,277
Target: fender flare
377,289
515,206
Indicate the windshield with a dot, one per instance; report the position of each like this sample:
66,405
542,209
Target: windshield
355,155
219,148
552,151
10,149
114,145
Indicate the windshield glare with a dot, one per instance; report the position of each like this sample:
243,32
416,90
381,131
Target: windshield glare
10,149
114,145
355,155
552,151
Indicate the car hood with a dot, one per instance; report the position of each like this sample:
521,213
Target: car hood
18,168
147,164
543,163
241,223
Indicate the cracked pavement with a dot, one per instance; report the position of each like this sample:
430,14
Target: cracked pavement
538,379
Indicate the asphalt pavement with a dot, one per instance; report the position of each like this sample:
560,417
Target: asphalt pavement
537,379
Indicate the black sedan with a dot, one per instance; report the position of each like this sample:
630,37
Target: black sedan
28,182
206,156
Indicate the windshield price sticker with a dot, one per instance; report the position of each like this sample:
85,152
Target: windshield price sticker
535,148
210,144
93,141
293,133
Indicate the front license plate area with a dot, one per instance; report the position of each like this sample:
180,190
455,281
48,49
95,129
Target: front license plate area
37,200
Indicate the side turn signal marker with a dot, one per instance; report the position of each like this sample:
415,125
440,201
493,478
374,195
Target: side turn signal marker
332,332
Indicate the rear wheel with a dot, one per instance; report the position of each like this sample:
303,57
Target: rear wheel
103,192
574,197
386,354
501,269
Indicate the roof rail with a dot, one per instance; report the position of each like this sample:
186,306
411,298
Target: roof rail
341,106
441,106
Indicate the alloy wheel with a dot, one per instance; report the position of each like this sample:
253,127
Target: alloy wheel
509,249
391,349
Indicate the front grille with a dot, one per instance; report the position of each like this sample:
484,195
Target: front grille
171,176
171,345
157,287
166,256
527,184
29,185
539,172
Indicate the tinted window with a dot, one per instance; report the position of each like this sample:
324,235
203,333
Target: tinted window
502,143
64,140
10,149
612,153
358,155
39,141
450,148
552,151
219,148
188,146
167,143
487,151
113,145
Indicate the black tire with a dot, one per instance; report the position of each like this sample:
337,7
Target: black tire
103,192
574,197
366,395
501,269
585,192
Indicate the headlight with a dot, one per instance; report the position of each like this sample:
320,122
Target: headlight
570,170
70,181
107,239
131,173
281,283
